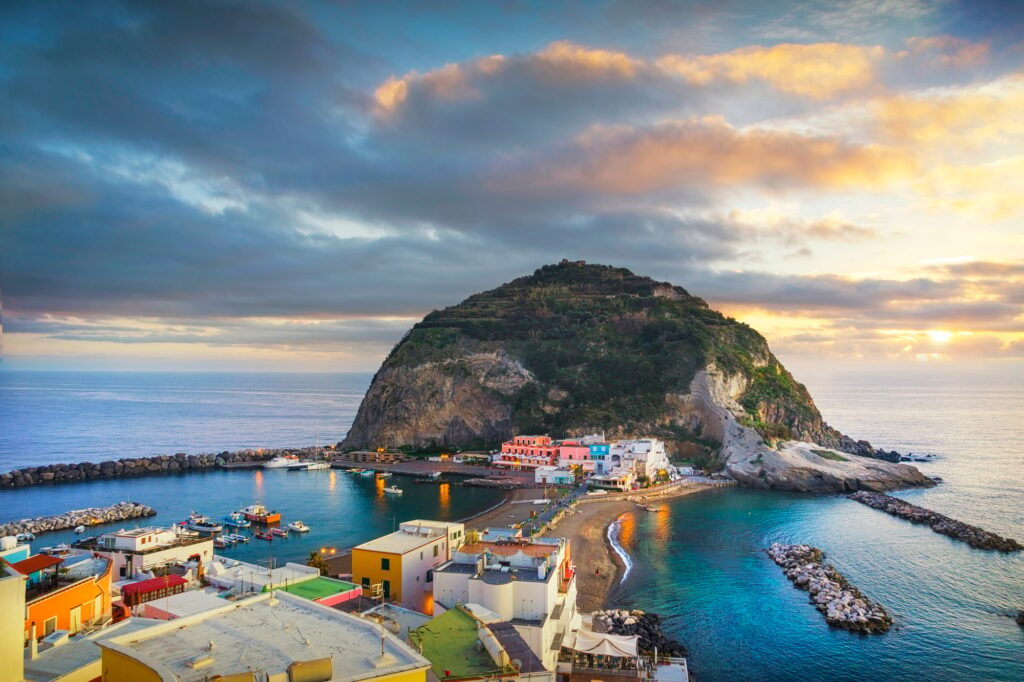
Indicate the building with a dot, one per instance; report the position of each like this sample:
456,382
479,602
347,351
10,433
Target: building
326,591
588,453
589,653
73,595
240,577
134,594
12,621
275,636
528,583
528,452
402,562
78,659
181,605
645,456
619,478
474,644
152,549
549,475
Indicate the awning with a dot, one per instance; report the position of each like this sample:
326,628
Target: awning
585,642
36,563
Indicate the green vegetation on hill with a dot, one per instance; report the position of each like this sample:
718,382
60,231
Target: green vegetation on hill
604,345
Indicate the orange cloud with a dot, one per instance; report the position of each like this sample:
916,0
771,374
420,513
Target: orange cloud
947,50
991,191
565,59
709,152
818,71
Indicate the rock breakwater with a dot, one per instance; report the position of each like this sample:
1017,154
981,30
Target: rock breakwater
842,604
93,516
972,535
646,625
130,467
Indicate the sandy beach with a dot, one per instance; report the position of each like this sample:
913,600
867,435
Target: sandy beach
597,563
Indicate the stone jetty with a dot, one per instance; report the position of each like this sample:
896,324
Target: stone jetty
842,604
131,467
972,535
646,625
94,516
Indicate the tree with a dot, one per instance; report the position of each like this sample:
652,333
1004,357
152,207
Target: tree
317,561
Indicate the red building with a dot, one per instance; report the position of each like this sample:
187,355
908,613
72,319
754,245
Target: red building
528,452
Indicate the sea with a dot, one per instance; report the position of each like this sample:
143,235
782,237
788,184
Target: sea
698,562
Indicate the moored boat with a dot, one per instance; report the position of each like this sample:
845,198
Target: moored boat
393,490
57,550
203,524
282,532
281,462
384,474
220,543
237,519
26,537
235,537
318,466
368,472
79,530
260,514
298,527
264,536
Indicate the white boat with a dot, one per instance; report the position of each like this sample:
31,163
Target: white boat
393,490
282,462
298,527
79,529
368,472
26,537
318,466
434,475
384,474
56,550
237,519
203,524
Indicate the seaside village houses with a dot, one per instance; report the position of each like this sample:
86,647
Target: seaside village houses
432,600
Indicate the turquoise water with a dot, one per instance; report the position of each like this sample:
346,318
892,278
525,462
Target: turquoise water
700,564
341,509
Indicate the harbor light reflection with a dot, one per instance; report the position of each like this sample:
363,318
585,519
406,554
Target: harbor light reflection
444,499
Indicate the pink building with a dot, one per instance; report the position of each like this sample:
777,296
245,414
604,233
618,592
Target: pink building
528,452
575,453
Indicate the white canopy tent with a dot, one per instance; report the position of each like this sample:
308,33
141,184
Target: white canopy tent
598,644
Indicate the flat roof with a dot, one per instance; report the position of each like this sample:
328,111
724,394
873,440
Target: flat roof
318,588
450,644
398,542
80,651
187,603
152,585
268,633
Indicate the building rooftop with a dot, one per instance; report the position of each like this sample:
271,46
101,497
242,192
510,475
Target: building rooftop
185,604
451,643
241,576
510,548
267,633
399,542
152,585
36,563
318,588
516,647
79,652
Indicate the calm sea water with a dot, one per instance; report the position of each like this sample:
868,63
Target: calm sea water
699,562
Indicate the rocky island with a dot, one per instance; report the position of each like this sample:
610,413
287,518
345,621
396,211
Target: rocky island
576,347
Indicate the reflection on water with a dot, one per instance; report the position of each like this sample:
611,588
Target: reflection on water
332,481
662,530
627,529
444,500
257,484
378,484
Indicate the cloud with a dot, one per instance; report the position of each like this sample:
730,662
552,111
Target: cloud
947,50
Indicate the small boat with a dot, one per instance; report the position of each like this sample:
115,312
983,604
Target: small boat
384,474
237,519
298,527
368,472
280,532
79,530
282,462
56,550
260,514
220,543
235,537
264,536
318,466
393,490
203,524
25,537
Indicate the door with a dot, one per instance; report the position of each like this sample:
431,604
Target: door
387,589
97,608
76,619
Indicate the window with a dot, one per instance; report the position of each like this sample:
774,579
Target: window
430,576
421,556
366,583
387,589
435,550
385,564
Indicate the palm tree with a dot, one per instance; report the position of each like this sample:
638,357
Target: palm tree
317,561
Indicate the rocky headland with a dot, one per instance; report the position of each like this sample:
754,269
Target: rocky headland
842,604
93,516
575,348
940,523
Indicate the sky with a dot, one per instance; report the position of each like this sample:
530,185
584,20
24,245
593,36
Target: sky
291,186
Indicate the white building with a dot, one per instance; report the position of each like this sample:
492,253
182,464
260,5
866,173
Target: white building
241,577
553,476
529,583
141,550
645,456
180,605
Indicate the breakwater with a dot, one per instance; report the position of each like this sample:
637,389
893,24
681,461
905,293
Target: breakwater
93,516
940,523
842,604
129,467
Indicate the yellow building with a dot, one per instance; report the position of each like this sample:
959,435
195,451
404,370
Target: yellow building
403,561
12,622
275,636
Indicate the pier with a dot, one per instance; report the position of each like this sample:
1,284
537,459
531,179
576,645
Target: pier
944,525
841,603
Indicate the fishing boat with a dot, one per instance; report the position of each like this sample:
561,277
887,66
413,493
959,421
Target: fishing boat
298,527
264,536
220,543
235,537
368,472
203,524
79,530
355,470
281,532
318,466
384,474
260,514
393,490
237,519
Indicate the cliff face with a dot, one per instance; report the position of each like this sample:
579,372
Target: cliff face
576,348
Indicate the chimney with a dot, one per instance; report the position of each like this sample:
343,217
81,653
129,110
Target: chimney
33,645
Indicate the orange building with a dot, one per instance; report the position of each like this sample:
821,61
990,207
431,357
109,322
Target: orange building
528,452
70,599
